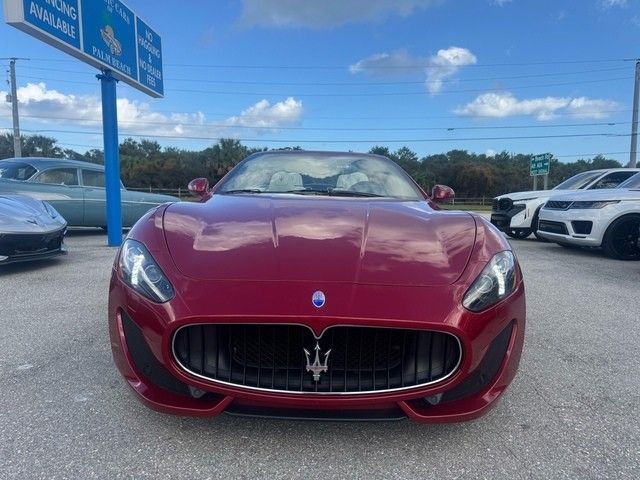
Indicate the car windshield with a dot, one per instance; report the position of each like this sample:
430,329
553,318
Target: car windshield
578,181
348,175
12,170
631,182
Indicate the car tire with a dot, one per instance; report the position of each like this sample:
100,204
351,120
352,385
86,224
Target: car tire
519,234
622,238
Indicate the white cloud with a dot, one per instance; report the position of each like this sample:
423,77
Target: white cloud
490,153
445,64
327,13
437,68
43,105
613,3
500,105
500,2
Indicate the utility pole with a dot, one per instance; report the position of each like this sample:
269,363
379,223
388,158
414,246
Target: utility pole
634,123
17,146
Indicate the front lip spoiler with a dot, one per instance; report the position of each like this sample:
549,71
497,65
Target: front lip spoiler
295,393
4,260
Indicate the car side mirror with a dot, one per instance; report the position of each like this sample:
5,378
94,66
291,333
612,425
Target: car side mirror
199,188
442,193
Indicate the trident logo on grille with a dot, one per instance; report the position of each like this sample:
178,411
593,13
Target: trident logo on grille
317,367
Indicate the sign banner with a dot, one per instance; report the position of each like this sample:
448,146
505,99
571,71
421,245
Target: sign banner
102,33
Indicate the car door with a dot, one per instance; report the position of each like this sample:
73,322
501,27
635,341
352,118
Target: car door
61,188
95,198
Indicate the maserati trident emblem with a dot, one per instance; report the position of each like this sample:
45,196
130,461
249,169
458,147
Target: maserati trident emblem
317,367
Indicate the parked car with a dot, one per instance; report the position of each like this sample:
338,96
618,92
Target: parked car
516,214
317,285
605,218
29,230
75,189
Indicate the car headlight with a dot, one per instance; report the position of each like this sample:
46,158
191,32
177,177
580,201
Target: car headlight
585,204
140,271
496,282
53,213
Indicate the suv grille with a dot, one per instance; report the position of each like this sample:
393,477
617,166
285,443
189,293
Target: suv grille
272,357
503,204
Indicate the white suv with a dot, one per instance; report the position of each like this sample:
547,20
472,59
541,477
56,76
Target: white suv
605,218
516,214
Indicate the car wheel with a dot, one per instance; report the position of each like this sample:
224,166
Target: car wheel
622,239
519,234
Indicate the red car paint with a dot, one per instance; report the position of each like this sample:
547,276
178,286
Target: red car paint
258,258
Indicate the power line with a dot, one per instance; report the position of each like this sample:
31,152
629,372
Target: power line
340,129
377,140
355,84
374,94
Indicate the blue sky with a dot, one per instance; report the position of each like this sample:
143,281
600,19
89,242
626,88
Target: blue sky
433,75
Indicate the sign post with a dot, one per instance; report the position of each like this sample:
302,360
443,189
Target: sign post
540,165
111,158
109,36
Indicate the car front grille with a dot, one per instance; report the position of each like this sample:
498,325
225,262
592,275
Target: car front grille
272,357
16,245
501,205
557,205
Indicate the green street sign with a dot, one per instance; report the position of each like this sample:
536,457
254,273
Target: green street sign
540,164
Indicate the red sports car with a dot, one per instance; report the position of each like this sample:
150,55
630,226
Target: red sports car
317,285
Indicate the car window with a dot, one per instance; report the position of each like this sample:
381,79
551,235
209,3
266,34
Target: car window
93,178
59,176
581,180
612,180
632,182
312,173
10,170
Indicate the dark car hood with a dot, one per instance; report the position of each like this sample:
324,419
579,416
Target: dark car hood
251,237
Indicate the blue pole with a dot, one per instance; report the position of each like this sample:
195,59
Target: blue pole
111,158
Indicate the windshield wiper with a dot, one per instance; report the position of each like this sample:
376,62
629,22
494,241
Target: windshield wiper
351,193
329,192
243,190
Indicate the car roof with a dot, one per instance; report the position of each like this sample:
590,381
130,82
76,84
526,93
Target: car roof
42,163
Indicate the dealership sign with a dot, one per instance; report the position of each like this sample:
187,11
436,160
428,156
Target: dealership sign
102,33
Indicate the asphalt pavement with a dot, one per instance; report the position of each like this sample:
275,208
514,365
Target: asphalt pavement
572,412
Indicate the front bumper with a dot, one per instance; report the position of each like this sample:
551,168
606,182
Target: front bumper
25,247
515,218
142,333
574,226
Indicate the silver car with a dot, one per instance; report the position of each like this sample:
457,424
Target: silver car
29,230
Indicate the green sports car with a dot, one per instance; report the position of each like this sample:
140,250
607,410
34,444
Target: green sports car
75,189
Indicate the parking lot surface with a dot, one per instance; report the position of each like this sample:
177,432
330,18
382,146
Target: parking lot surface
572,411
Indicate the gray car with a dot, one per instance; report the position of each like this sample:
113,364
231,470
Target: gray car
74,188
29,230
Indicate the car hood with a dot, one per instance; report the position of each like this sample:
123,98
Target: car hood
515,196
271,238
599,195
20,214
